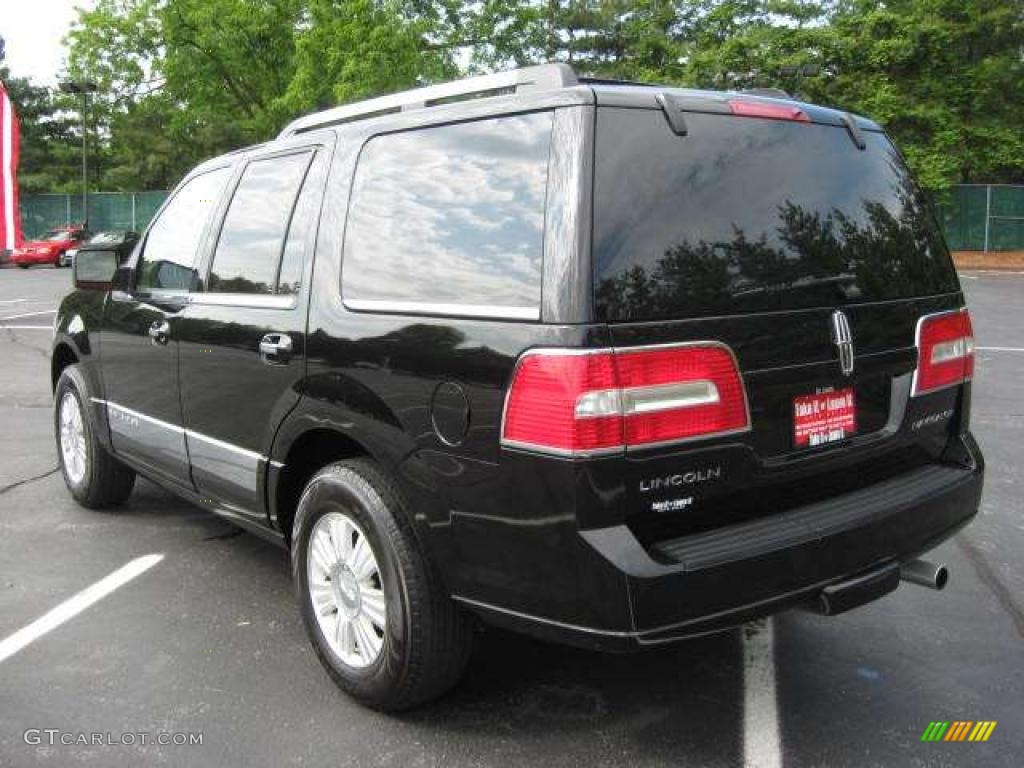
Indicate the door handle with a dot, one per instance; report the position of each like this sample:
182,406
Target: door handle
276,349
160,331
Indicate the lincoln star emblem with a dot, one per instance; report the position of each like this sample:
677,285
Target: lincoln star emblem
843,340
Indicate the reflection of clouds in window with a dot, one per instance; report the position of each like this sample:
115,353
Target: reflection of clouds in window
252,236
453,214
174,236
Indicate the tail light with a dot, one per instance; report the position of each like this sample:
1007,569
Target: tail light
945,351
594,402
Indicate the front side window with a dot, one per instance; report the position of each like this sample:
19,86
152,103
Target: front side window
249,250
450,219
169,258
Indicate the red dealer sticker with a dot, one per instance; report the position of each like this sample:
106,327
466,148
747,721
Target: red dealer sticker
824,418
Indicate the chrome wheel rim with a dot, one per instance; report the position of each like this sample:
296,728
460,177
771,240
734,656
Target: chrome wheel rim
346,590
72,438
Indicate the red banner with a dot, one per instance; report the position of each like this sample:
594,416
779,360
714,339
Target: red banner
10,218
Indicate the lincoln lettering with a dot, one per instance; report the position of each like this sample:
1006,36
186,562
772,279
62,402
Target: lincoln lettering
683,478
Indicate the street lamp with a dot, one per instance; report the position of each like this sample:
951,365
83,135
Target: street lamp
84,87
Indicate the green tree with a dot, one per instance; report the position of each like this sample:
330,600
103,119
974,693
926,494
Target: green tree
183,79
352,49
49,159
944,76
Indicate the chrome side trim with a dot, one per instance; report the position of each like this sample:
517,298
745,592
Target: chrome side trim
258,300
190,433
152,420
486,311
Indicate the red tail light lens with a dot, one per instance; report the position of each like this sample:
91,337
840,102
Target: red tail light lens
581,404
945,351
543,409
771,111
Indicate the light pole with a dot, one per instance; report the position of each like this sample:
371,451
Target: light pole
84,87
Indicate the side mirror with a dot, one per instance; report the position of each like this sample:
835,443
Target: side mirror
94,270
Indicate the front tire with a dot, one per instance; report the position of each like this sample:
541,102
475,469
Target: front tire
378,617
95,478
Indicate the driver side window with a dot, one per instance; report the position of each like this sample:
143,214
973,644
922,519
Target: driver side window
171,250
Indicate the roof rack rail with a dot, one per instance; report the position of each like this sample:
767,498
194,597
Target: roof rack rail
542,77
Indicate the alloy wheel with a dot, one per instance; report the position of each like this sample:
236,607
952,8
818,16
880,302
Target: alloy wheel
72,438
346,589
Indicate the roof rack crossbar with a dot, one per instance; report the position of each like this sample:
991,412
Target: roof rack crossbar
539,78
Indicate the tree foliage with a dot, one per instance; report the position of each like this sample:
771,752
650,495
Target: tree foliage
184,79
49,155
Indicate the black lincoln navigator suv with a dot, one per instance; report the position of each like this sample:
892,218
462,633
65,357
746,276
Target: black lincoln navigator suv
611,364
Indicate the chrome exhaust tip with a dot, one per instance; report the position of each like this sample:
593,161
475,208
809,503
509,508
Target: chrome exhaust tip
925,574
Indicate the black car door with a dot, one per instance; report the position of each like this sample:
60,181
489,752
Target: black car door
242,338
138,345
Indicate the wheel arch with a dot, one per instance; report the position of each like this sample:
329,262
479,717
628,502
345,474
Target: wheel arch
306,453
63,356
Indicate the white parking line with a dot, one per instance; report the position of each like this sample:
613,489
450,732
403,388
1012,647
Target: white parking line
28,314
75,605
26,327
11,301
999,349
761,745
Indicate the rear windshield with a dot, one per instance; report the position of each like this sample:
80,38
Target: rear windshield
753,215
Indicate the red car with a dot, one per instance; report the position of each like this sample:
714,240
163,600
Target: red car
49,248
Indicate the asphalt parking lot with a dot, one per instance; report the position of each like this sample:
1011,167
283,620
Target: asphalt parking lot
208,640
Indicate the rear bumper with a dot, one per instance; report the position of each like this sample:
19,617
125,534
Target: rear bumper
704,583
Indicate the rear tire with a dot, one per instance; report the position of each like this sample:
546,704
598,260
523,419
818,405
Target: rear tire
93,476
23,266
421,639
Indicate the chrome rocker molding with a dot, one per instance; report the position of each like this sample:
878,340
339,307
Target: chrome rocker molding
190,433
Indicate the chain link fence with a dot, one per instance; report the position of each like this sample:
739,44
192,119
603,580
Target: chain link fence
976,217
984,217
107,210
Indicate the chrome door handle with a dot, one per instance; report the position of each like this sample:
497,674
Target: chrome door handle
160,331
276,349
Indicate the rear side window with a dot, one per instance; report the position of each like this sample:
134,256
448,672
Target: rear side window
252,238
169,258
753,215
450,220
